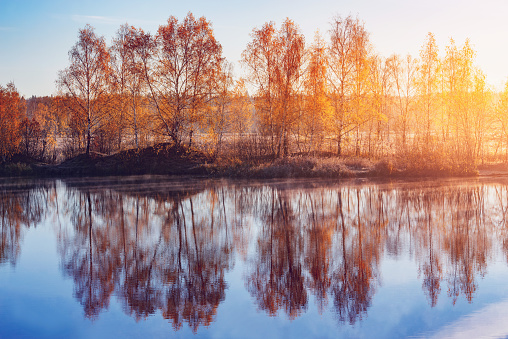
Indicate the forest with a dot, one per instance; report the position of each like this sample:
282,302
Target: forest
331,98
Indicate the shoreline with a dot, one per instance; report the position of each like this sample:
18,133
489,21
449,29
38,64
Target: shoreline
49,172
268,170
166,160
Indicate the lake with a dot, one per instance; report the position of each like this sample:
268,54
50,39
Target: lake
194,258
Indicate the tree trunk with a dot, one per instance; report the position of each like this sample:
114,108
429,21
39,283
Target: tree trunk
88,138
339,149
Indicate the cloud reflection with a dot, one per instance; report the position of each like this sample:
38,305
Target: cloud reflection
489,322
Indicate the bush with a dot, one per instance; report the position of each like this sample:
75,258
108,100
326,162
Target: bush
384,167
301,167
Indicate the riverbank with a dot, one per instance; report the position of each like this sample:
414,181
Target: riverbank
164,159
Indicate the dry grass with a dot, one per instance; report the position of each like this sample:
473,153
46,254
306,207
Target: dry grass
299,167
435,163
333,167
165,159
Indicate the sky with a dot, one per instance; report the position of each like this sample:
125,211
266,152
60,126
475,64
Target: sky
36,35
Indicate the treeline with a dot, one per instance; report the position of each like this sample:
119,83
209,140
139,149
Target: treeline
334,95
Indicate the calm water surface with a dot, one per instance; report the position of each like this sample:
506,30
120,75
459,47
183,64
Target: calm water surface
159,257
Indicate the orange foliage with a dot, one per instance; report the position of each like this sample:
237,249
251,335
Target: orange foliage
11,112
337,93
85,82
274,60
185,68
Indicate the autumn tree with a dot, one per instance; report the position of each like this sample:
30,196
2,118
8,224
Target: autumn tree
288,79
403,74
482,118
449,77
317,107
361,58
274,60
86,81
51,124
466,101
502,118
121,71
130,53
45,113
348,72
141,48
219,114
241,120
185,65
11,113
260,58
30,131
72,126
378,105
428,87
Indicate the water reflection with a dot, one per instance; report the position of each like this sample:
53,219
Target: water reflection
168,249
277,278
21,206
167,253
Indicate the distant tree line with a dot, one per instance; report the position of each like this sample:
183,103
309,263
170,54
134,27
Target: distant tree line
332,96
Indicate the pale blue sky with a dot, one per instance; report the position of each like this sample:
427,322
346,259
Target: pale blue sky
36,35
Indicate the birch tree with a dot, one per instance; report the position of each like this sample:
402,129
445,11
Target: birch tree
185,66
86,81
348,70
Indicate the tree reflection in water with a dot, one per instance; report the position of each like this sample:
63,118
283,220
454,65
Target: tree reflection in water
168,251
277,279
156,253
21,206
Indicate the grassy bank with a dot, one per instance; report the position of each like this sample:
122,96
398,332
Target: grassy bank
334,167
165,159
